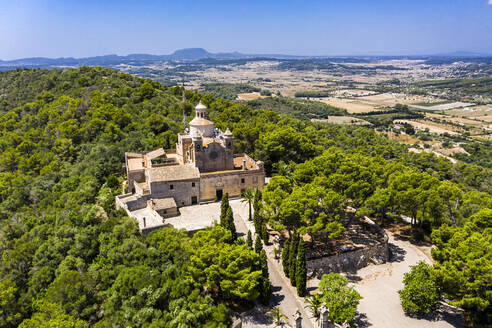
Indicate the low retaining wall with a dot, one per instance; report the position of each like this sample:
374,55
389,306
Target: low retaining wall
351,261
136,203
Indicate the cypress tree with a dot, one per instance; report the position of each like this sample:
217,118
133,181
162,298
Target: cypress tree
292,260
257,201
264,264
230,223
301,270
264,233
257,221
266,291
257,218
285,257
266,286
249,239
258,245
224,205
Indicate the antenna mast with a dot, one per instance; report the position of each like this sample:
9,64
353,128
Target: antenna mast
184,103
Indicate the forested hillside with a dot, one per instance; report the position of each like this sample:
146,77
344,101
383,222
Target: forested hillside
68,256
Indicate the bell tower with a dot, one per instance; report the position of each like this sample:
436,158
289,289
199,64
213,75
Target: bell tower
201,110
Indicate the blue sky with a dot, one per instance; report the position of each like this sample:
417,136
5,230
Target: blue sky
42,28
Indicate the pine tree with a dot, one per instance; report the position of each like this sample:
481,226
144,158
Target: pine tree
249,239
301,270
264,233
285,257
258,245
292,260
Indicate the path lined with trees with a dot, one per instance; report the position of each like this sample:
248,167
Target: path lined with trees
284,295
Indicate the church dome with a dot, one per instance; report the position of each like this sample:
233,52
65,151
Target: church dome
201,106
200,124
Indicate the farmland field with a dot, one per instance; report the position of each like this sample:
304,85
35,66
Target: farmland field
248,96
342,120
352,106
433,127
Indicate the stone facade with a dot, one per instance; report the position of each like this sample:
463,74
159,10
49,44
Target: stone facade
201,169
213,184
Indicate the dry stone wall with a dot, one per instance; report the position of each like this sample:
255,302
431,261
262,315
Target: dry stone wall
351,261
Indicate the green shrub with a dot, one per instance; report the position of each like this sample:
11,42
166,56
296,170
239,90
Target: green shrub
420,292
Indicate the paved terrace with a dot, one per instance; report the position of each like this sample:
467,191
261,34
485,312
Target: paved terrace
195,217
152,219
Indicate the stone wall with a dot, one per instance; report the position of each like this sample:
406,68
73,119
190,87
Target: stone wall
230,182
135,176
131,202
182,191
351,261
214,157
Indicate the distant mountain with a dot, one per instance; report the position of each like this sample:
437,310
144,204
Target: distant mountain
191,54
188,54
462,54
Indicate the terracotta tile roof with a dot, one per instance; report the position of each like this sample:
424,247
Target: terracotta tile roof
250,163
135,163
163,203
155,153
173,173
130,154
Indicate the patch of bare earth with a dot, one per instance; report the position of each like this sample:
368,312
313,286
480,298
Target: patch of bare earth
432,126
342,120
248,96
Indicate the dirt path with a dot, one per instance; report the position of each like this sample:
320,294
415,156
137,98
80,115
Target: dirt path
379,285
284,295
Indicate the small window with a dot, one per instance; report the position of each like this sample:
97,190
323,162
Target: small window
242,180
171,187
165,211
192,184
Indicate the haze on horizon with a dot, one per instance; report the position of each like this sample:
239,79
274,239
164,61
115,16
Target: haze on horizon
339,27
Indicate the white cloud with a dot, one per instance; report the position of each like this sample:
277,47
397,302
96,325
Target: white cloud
490,2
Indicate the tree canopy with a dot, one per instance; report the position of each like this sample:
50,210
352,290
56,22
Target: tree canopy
63,134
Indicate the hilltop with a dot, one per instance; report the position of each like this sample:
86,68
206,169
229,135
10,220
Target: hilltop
68,254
